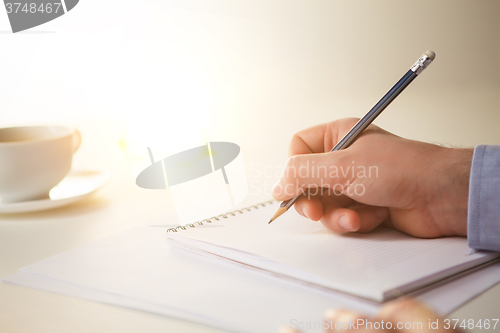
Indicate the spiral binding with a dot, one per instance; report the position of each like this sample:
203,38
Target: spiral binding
217,218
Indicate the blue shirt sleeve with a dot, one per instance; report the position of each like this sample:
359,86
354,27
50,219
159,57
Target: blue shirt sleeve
483,225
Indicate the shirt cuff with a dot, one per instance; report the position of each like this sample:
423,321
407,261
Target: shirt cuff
483,222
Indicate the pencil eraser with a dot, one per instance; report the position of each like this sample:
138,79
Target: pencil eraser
430,54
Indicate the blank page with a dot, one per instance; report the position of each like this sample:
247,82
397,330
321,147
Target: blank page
379,265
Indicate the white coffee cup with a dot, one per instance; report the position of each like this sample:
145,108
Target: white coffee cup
34,159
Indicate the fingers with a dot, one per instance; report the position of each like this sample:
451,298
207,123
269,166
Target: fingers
360,218
312,205
405,315
410,316
340,213
309,206
320,138
337,218
371,217
310,140
313,171
312,165
348,322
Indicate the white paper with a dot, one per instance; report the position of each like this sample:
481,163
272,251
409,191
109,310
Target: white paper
237,178
141,267
380,265
137,269
201,198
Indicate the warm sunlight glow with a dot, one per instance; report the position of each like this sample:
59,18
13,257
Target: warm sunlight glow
169,117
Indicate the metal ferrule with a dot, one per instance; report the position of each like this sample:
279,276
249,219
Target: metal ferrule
421,64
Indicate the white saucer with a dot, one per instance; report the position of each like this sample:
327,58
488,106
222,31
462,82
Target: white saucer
77,185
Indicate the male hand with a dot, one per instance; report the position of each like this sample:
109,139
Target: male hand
402,315
418,188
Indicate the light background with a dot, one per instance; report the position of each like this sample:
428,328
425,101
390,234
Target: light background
253,72
249,72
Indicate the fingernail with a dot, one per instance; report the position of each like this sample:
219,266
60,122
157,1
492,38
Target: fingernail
277,189
345,223
331,313
303,209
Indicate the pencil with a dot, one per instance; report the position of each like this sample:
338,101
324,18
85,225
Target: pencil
364,122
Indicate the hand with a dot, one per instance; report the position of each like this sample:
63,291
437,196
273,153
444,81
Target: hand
418,188
404,315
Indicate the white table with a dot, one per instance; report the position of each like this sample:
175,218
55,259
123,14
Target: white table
313,62
28,238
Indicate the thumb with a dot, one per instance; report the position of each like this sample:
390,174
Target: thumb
325,170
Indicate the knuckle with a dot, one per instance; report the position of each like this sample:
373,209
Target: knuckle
345,122
295,142
293,177
295,137
291,164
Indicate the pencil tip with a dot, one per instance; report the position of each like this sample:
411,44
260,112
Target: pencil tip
278,213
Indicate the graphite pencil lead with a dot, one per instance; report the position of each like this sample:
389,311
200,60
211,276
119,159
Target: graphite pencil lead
278,213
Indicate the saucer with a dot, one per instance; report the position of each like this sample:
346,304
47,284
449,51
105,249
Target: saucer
76,186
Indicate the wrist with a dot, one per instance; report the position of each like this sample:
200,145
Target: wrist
449,205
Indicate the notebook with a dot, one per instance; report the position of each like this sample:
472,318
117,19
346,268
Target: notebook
138,269
379,266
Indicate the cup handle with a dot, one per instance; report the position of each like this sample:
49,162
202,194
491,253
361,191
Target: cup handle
77,140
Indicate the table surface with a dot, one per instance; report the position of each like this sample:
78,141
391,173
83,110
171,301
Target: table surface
272,67
28,238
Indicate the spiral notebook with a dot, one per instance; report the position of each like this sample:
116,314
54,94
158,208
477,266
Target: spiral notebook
381,265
